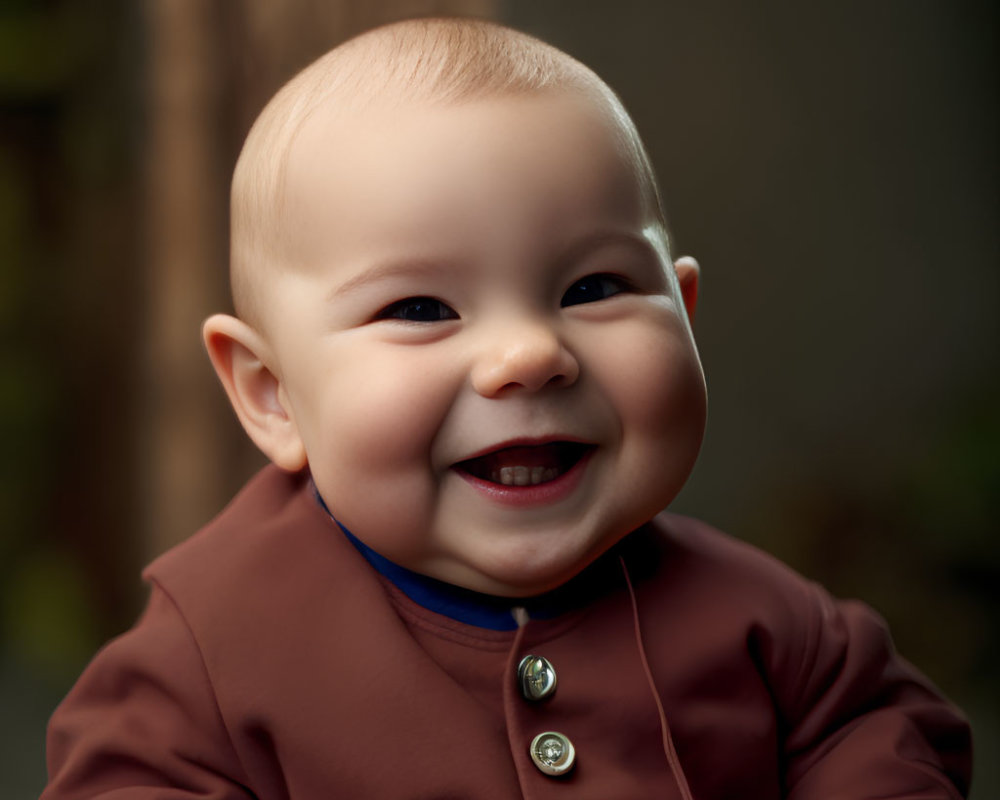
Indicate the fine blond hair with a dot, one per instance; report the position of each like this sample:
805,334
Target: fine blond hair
444,60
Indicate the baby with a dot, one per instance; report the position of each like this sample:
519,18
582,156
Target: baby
462,343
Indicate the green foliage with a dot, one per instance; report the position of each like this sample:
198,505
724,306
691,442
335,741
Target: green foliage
42,50
48,619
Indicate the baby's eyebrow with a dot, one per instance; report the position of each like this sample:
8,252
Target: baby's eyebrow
581,248
407,268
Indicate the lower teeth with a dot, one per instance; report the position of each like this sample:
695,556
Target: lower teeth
524,476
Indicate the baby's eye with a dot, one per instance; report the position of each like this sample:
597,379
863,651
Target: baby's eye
417,309
594,288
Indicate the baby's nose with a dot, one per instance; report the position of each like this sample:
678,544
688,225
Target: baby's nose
527,356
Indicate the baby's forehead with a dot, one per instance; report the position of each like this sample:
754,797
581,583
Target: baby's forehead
410,162
368,148
341,118
410,68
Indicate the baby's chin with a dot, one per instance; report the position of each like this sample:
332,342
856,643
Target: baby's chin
521,572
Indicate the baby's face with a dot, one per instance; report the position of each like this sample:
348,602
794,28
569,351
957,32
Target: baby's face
478,342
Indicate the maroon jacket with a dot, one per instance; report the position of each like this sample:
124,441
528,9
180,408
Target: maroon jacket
273,662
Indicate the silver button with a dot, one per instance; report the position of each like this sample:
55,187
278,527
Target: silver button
536,678
553,753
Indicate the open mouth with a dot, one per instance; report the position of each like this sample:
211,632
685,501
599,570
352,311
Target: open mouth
526,465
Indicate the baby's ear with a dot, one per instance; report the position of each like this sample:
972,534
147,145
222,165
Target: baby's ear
240,356
687,270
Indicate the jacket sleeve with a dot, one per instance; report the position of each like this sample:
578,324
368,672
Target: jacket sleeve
142,721
861,723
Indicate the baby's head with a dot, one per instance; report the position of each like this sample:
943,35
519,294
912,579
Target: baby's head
456,307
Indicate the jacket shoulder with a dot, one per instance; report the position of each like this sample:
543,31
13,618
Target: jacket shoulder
694,552
264,530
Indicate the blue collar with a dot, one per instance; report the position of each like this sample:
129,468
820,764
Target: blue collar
485,610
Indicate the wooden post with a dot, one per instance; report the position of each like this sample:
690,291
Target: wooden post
186,257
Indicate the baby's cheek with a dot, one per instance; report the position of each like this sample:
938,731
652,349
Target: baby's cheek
656,381
658,390
375,480
389,414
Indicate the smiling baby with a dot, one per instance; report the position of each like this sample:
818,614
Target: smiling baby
462,342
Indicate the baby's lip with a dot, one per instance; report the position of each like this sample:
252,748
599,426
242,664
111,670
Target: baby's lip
525,460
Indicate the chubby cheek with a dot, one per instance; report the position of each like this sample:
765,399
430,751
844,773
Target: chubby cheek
374,421
658,389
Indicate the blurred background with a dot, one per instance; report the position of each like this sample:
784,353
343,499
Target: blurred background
832,164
